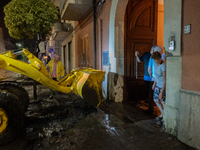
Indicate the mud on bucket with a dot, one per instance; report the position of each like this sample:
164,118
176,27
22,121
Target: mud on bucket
89,87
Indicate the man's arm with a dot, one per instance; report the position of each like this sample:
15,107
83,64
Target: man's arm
164,84
150,67
154,85
163,56
137,57
163,87
150,71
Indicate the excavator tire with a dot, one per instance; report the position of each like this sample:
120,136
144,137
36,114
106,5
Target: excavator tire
11,118
13,87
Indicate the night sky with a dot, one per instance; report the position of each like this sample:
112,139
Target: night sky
2,4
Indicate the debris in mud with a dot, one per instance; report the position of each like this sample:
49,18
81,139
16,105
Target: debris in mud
68,123
47,121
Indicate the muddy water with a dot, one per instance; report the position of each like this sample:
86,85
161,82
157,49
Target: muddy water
68,123
48,120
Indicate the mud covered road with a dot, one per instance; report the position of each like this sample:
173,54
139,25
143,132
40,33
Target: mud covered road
68,123
48,120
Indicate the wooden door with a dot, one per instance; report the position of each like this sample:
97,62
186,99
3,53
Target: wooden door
140,35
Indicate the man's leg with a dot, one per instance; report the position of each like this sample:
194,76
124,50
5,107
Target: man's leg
150,97
151,100
158,101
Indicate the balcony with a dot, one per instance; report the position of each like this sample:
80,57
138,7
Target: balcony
61,31
74,9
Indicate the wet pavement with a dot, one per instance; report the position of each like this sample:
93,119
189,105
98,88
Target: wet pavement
68,123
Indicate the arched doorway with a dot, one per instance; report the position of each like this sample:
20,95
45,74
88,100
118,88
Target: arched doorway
140,32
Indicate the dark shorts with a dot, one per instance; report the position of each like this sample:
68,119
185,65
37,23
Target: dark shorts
156,94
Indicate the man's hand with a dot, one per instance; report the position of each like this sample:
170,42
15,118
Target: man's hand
136,53
137,57
153,86
160,96
149,71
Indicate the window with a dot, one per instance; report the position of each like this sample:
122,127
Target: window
85,55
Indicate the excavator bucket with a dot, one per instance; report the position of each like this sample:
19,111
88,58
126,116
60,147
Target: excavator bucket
85,82
92,90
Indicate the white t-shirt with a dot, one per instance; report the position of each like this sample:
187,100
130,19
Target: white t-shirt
159,74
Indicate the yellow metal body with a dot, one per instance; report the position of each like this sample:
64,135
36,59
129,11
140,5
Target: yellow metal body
37,71
3,120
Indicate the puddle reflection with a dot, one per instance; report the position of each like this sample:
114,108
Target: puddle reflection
108,121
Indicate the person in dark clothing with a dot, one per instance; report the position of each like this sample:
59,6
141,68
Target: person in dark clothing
147,79
48,59
45,59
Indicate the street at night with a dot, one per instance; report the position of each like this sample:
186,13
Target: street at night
99,75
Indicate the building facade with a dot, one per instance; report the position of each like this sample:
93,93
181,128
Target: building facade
104,34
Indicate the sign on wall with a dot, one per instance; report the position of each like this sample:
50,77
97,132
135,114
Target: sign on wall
187,29
106,60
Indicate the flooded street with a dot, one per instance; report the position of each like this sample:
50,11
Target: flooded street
67,122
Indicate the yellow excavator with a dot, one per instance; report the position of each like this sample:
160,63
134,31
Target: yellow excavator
14,100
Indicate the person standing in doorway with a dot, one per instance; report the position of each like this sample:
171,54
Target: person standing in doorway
147,78
152,62
56,70
159,85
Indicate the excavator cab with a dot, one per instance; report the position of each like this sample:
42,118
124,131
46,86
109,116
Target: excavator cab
14,100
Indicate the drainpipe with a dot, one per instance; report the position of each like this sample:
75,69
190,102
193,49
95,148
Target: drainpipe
94,20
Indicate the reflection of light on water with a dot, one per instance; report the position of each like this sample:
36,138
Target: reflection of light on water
109,128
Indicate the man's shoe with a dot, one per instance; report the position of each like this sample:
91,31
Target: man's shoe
159,118
160,122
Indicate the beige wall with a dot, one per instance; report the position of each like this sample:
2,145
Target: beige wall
112,16
188,127
103,17
69,65
103,32
82,29
190,51
182,102
189,103
119,36
172,27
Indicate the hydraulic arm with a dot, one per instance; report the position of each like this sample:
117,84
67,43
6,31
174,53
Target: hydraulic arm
89,78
